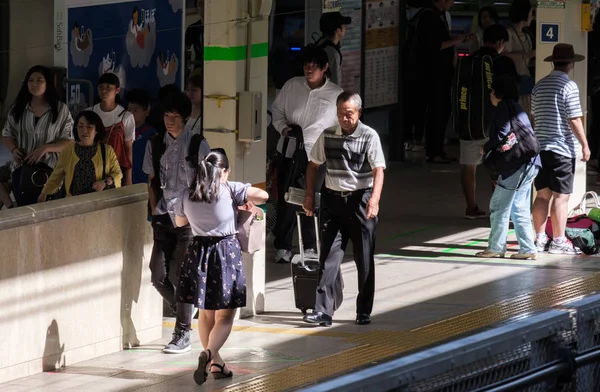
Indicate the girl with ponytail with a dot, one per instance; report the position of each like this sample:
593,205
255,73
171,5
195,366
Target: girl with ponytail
212,276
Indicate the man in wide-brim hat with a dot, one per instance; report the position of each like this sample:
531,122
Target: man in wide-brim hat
564,53
558,125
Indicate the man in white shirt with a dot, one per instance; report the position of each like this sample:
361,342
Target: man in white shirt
304,107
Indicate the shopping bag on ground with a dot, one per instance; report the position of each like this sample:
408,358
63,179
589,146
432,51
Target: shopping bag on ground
583,239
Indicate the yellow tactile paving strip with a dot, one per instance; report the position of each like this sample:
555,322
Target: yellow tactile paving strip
376,346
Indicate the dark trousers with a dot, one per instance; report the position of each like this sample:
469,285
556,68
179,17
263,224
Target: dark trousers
438,106
286,213
415,106
168,252
343,219
594,133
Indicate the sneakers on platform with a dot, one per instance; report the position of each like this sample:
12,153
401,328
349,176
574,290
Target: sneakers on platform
475,213
541,243
563,248
179,344
283,256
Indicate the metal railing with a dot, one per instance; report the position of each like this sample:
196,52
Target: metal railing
557,350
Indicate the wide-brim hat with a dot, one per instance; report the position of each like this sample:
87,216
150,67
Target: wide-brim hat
564,53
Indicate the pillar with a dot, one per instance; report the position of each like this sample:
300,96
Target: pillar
235,55
570,31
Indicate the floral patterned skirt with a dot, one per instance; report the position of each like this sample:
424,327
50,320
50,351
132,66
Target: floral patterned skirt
212,274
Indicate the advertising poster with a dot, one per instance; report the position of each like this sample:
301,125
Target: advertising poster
351,45
381,53
139,41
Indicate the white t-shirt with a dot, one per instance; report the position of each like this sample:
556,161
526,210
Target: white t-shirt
113,117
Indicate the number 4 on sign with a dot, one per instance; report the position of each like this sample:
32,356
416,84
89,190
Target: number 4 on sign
549,32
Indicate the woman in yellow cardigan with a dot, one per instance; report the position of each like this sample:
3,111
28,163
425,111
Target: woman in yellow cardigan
81,165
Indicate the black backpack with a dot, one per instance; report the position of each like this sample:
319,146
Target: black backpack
472,108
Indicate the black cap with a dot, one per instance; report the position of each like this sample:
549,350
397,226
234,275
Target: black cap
331,21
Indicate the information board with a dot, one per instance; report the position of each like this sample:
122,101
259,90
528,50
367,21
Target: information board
381,52
551,3
351,46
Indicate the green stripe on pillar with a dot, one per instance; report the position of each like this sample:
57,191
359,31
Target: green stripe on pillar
234,53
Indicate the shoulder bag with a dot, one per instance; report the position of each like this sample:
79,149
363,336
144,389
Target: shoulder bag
515,149
250,227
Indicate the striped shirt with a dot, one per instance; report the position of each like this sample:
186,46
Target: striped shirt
555,101
350,159
30,135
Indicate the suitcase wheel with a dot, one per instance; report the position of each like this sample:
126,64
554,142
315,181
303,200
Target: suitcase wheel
304,311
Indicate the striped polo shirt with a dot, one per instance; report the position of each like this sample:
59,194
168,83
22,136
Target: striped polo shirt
350,159
555,100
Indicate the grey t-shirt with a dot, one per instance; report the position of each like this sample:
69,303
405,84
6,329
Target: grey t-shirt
217,219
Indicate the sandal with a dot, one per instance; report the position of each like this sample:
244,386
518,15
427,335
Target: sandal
200,374
221,373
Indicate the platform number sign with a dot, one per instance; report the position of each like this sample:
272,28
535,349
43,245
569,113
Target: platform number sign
549,33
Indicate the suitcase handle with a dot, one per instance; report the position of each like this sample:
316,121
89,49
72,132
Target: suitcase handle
301,242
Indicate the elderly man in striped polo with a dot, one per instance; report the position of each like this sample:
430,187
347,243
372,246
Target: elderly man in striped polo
558,126
353,184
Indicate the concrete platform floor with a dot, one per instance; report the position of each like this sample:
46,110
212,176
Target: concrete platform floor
430,288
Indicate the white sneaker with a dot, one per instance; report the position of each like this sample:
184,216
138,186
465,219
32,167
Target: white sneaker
311,254
564,248
283,256
541,244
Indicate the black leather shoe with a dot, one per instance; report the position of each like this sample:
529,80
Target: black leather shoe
363,319
318,318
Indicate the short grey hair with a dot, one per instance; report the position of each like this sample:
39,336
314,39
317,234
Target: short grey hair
347,96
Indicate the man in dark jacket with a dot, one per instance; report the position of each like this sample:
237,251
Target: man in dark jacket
473,109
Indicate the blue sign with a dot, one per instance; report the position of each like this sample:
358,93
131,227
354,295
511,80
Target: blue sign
549,33
139,41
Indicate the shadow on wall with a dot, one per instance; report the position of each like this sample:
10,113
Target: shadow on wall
131,277
53,351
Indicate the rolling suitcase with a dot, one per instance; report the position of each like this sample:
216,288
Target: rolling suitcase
305,272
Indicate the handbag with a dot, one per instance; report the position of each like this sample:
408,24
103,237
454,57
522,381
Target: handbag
250,227
33,178
515,149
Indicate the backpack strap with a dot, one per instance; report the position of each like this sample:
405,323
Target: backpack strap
327,42
158,148
194,147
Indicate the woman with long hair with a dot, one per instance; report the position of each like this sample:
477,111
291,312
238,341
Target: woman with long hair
88,165
487,16
38,127
512,195
212,276
519,48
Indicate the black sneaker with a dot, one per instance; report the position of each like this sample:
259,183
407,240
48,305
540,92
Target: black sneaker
179,344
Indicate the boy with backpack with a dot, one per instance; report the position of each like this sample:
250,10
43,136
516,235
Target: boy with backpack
170,162
333,27
118,122
138,104
473,108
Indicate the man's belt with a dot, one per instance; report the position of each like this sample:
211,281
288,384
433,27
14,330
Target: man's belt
347,193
